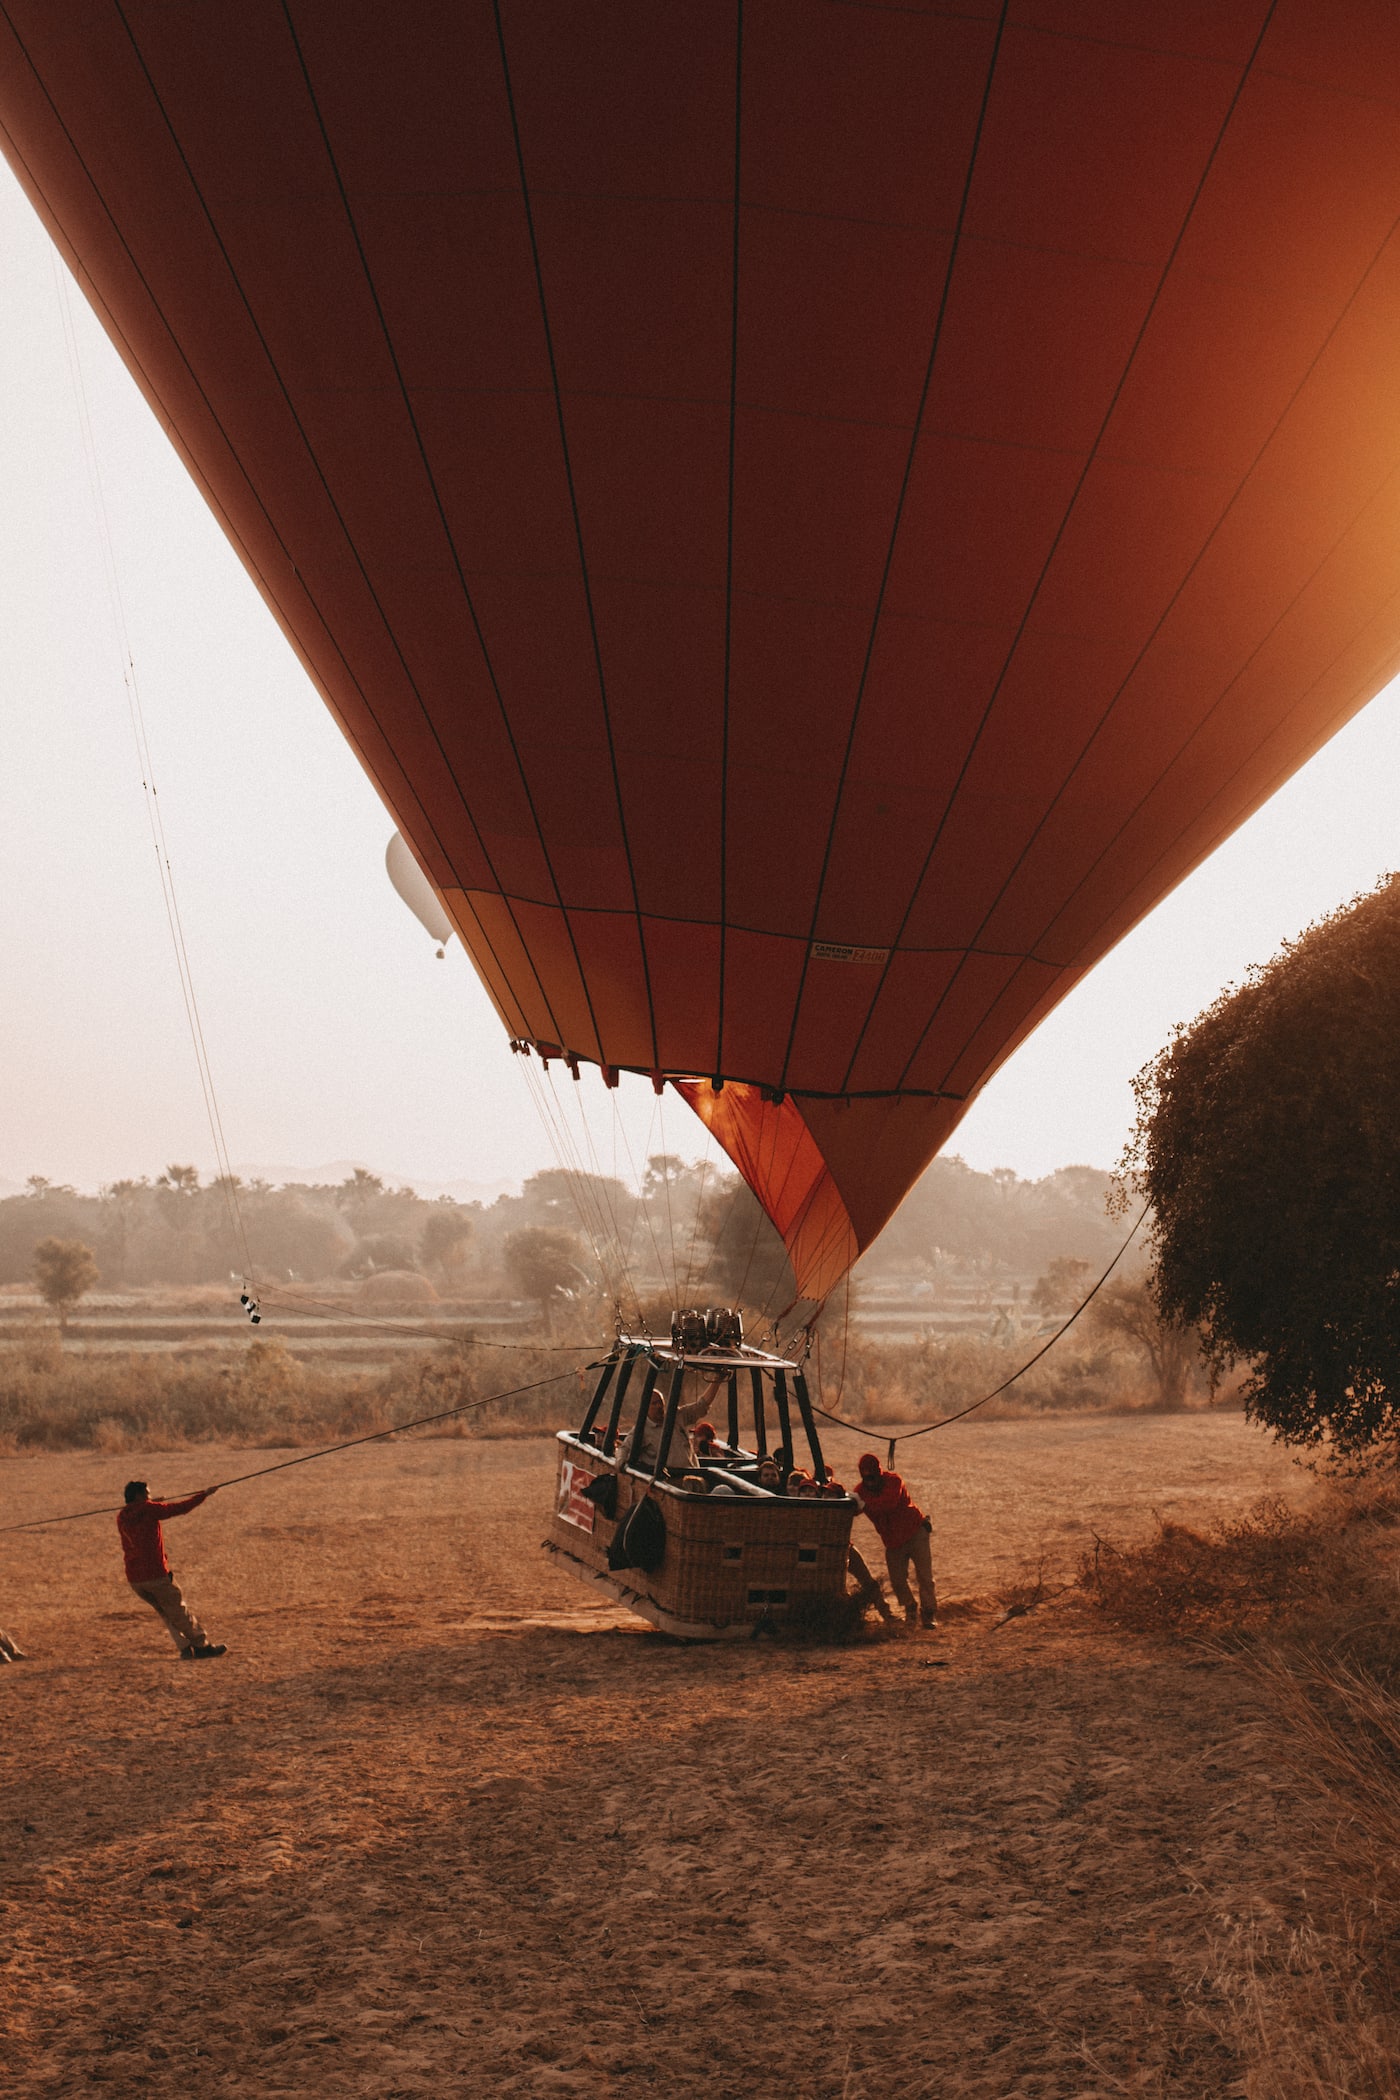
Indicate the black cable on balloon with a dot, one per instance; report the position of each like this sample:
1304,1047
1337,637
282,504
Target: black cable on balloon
907,1436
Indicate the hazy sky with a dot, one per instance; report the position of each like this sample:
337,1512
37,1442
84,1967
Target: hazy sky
333,1032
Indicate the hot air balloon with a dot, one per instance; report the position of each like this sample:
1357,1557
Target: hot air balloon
417,892
814,518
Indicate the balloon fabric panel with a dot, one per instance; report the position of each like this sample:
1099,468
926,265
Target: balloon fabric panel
814,519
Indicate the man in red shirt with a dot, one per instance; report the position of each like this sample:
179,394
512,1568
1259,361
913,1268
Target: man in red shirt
148,1570
905,1533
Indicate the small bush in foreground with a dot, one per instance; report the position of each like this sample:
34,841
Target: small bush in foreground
1244,1572
1238,1573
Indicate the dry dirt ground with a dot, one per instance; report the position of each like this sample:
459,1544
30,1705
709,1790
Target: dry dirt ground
441,1824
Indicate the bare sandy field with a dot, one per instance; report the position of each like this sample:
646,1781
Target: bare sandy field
439,1824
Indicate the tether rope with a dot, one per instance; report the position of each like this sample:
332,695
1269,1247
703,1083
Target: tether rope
304,1458
227,1180
907,1436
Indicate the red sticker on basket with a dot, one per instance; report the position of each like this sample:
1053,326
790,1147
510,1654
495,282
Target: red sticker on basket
573,1505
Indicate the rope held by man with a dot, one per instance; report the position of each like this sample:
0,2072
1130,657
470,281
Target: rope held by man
304,1458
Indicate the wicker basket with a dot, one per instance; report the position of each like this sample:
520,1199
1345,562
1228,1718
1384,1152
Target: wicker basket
729,1559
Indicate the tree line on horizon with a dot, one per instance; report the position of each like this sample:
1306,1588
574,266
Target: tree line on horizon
687,1226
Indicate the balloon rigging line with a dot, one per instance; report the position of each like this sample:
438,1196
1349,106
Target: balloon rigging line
603,1189
563,1153
227,1180
561,1141
536,1385
642,1208
666,1191
705,1165
304,1458
758,1225
907,1436
591,1198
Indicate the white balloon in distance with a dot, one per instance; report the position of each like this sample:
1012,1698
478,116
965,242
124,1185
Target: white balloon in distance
417,892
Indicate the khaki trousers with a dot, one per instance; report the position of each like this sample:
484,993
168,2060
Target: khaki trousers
164,1597
919,1549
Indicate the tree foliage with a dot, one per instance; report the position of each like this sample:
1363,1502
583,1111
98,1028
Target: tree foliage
1126,1312
1065,1284
744,1262
64,1271
547,1264
1269,1144
445,1237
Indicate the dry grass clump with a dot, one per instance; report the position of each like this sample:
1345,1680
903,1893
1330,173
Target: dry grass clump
1245,1572
259,1394
1311,2002
1315,2008
1238,1573
894,1382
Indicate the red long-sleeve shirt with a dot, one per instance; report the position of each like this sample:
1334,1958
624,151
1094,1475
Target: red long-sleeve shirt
143,1544
890,1510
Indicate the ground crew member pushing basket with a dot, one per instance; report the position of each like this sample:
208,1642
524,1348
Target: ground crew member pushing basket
905,1533
148,1570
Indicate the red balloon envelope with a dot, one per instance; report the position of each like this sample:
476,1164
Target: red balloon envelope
814,517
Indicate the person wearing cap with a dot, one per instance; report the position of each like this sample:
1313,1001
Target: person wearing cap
905,1533
148,1570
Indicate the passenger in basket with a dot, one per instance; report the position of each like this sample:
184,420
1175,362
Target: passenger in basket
704,1441
642,1450
148,1570
769,1477
905,1533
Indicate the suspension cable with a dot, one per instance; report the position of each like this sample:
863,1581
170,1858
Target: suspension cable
907,1436
136,715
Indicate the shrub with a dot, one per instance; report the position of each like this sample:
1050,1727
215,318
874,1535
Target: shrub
1238,1573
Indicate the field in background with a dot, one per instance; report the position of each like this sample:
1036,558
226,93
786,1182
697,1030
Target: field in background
334,1326
442,1821
175,1366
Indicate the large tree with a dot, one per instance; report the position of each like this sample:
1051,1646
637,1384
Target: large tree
1268,1140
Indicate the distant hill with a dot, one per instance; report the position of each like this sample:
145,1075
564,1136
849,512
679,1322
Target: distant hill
336,1171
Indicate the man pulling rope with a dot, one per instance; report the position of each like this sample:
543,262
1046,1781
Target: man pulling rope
148,1570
